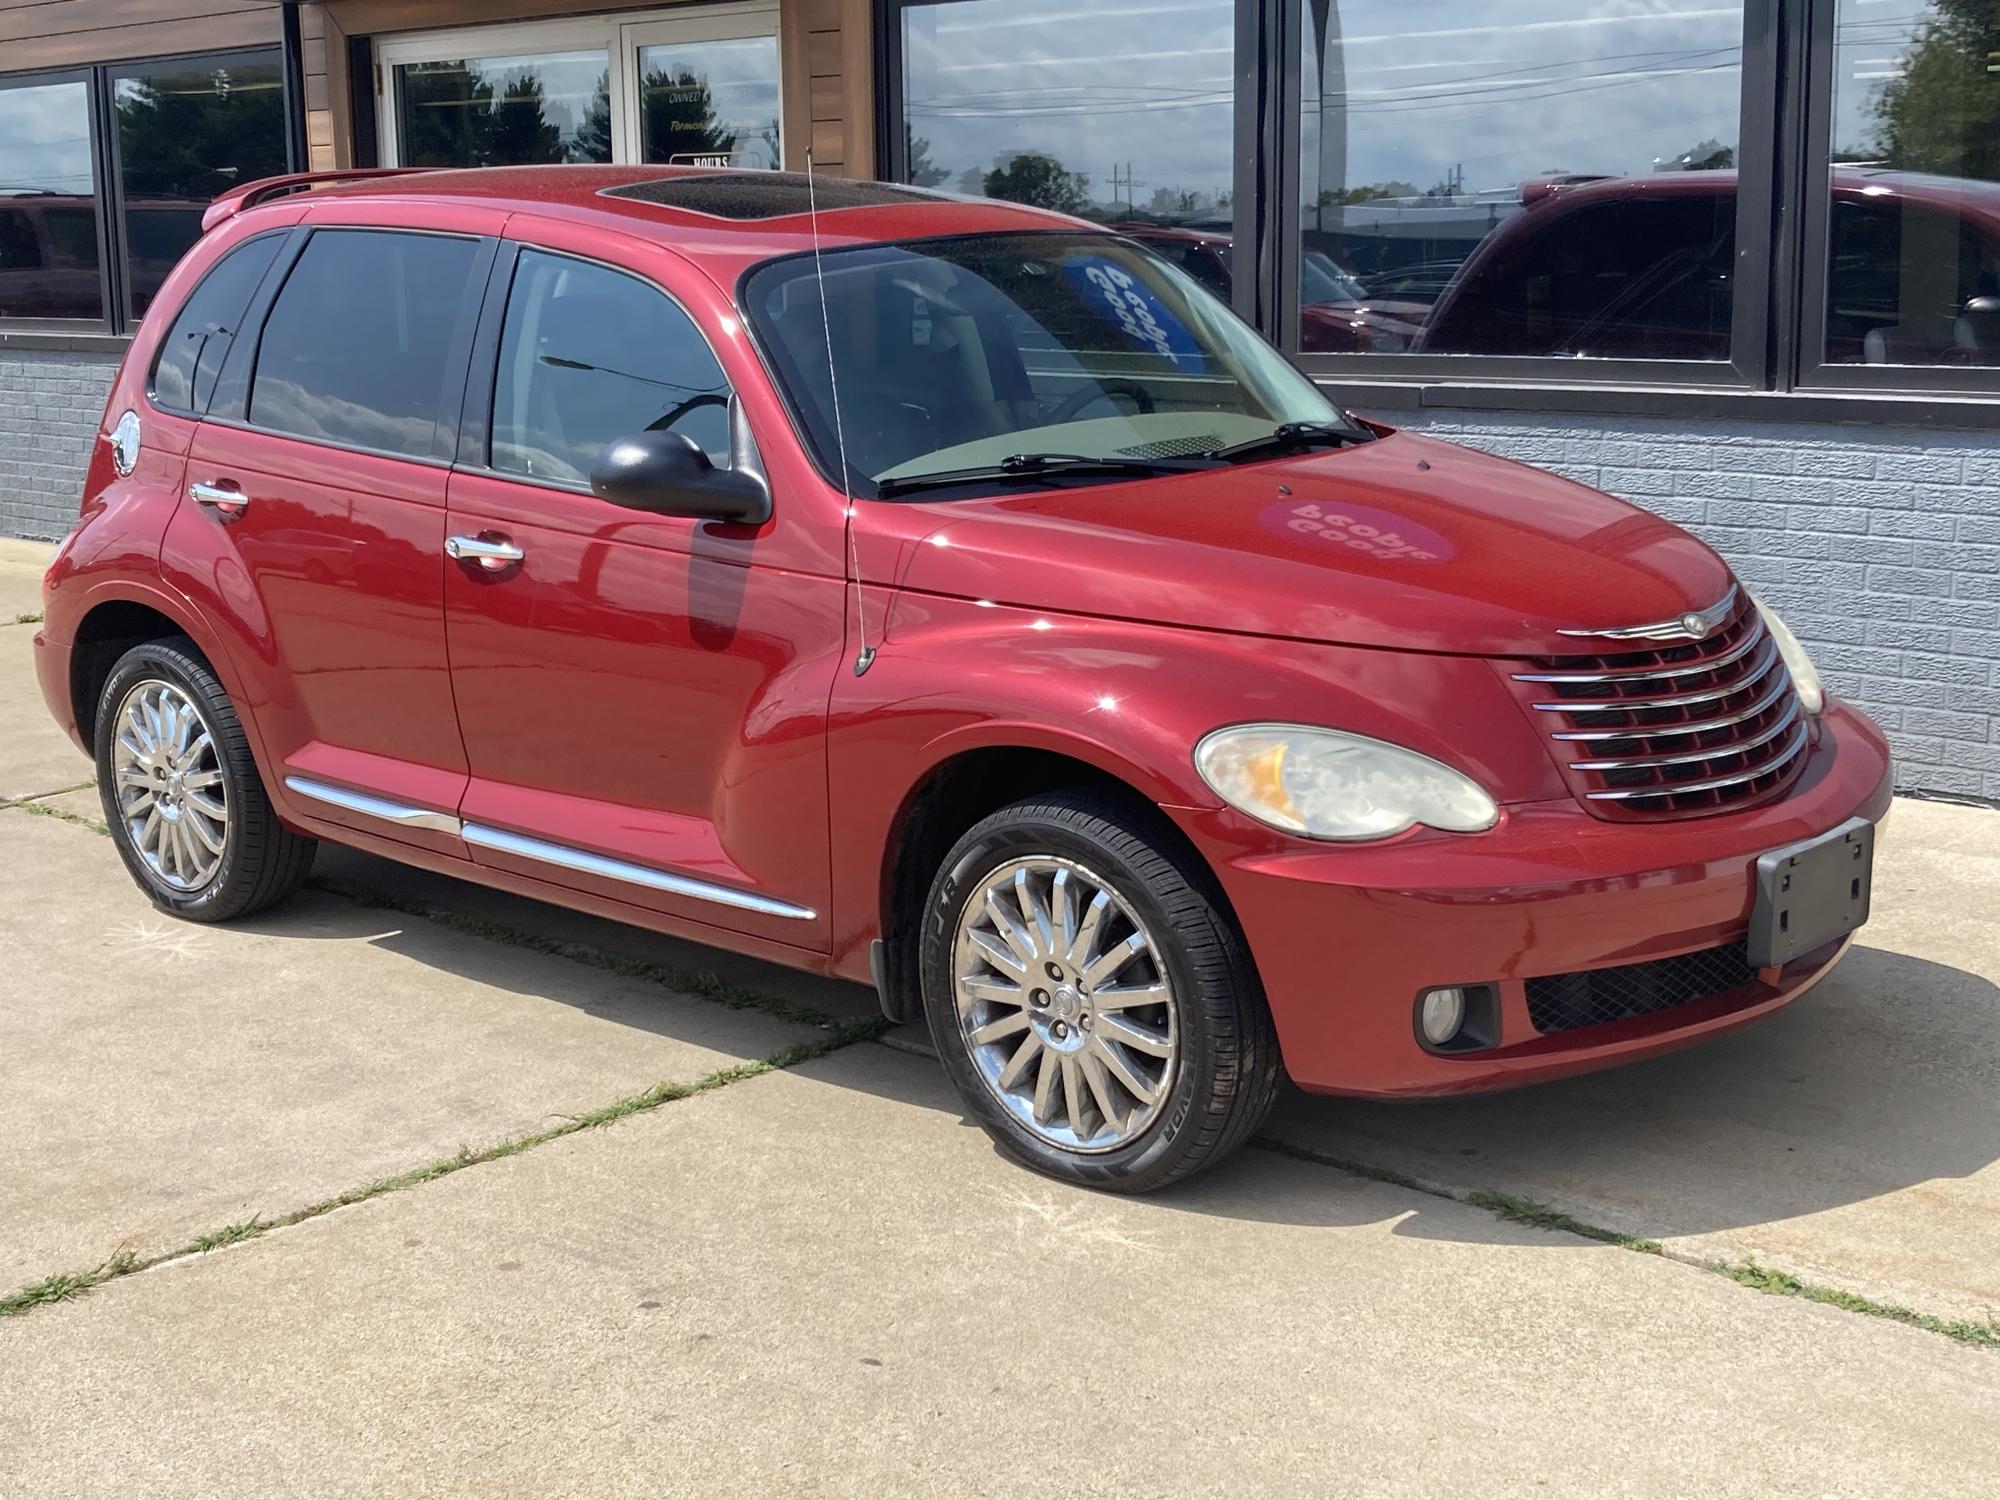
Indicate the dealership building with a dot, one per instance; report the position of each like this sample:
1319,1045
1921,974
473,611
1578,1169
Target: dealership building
1737,261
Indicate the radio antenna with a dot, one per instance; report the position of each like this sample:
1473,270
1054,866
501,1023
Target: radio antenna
850,544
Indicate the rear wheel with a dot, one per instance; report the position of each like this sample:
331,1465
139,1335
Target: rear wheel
1092,998
181,793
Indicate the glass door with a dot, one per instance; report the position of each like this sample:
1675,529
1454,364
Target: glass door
704,87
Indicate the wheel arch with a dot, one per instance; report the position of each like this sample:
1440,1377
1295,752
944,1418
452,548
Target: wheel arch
111,625
963,784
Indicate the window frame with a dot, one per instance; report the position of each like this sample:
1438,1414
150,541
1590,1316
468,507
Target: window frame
101,198
250,318
1810,369
473,453
108,189
617,34
1748,366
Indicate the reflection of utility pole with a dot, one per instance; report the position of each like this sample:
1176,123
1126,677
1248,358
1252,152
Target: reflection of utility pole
1331,65
1125,182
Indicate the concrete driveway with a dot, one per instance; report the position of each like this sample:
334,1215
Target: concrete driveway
408,1188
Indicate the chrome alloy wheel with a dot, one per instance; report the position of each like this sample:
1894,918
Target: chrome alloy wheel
168,783
1065,1004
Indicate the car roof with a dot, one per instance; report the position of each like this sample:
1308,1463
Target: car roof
725,218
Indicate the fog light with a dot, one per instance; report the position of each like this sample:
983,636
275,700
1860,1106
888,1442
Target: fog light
1441,1015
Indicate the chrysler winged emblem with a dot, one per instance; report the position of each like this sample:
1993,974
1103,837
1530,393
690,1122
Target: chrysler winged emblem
1695,625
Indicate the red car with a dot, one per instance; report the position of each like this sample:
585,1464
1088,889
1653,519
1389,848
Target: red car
943,593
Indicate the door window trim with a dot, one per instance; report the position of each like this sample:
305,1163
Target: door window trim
482,386
618,36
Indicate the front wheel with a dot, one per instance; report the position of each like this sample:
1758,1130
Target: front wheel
1092,998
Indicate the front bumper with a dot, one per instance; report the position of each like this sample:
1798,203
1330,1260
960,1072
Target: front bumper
1345,938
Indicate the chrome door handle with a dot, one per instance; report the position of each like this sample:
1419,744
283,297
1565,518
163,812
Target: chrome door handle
227,501
489,553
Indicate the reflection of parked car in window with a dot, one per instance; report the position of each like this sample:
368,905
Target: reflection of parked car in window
1337,314
48,256
1641,268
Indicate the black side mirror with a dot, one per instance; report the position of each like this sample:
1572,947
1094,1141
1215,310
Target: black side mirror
668,474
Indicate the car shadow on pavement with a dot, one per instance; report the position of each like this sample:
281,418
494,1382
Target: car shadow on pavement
1879,1081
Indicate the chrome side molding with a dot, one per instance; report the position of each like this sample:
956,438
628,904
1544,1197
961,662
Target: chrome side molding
399,813
645,875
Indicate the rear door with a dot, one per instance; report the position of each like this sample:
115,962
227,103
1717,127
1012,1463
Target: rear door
643,697
322,467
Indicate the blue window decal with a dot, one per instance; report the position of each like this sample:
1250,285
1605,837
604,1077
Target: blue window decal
1118,297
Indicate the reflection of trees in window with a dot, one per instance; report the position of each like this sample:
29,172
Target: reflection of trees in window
921,171
1941,113
1704,156
1040,181
454,116
194,135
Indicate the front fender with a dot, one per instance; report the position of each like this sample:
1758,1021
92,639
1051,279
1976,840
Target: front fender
1131,700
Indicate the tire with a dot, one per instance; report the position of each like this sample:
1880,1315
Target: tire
160,697
1221,1071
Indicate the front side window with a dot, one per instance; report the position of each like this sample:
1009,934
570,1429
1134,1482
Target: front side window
48,204
589,355
1427,131
356,346
191,355
188,132
968,352
1913,259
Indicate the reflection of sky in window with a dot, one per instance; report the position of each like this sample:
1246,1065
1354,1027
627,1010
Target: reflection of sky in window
44,140
1145,82
1873,38
1440,91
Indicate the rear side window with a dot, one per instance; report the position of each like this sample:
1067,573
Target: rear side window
589,355
356,347
191,354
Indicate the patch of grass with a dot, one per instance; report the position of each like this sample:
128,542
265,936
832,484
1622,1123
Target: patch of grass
1783,1284
1348,1165
31,619
61,791
63,815
63,1287
229,1234
1541,1216
698,982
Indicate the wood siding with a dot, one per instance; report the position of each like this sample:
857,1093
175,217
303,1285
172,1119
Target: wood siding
37,34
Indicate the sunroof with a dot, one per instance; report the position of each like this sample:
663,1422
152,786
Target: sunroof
763,195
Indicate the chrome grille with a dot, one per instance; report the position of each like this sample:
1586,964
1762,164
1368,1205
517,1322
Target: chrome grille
1676,730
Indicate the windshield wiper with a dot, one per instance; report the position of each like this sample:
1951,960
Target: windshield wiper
1289,435
1032,466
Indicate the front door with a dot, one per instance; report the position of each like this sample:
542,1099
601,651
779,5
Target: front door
322,465
642,697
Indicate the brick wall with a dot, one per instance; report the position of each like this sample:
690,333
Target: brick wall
1879,545
49,407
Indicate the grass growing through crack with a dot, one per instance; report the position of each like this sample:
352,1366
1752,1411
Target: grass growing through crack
28,619
61,1288
1541,1216
1783,1284
63,815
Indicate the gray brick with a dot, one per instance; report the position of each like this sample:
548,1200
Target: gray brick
1924,468
1900,580
1945,724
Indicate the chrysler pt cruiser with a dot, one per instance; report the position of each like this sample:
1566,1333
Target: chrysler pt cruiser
946,595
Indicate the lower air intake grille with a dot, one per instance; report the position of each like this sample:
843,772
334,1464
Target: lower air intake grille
1564,1002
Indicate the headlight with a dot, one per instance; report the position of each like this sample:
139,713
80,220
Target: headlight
1805,676
1329,785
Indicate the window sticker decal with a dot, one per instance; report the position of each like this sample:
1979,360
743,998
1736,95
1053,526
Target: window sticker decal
1117,296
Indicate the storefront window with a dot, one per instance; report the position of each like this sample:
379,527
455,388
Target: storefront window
1913,273
186,133
1550,178
710,102
504,111
1120,111
48,204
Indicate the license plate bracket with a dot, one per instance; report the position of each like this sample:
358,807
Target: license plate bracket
1811,892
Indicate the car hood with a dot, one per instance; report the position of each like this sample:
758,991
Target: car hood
1405,542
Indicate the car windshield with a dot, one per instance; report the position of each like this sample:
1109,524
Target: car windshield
964,353
1320,280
